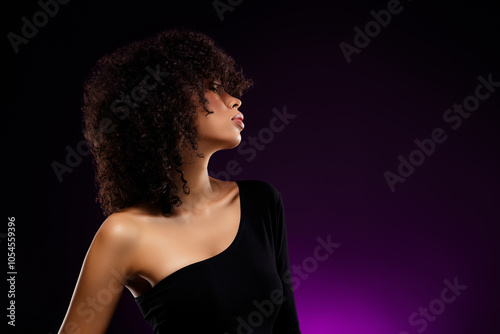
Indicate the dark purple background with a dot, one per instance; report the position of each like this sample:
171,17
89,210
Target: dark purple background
352,122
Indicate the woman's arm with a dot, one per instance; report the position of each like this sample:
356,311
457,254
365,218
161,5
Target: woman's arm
103,276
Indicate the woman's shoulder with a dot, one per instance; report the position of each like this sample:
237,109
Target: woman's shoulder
261,188
121,229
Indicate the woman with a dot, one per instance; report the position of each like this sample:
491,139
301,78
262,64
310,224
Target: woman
199,255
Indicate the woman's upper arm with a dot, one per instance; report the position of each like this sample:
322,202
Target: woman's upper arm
103,276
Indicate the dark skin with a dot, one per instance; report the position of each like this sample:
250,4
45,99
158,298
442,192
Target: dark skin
139,246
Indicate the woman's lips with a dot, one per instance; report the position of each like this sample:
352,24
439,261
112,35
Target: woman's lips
239,121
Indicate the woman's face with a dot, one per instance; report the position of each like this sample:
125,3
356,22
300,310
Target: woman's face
218,130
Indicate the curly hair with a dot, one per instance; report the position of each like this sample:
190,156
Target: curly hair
139,114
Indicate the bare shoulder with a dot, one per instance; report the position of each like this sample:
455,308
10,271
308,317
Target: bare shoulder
119,231
107,267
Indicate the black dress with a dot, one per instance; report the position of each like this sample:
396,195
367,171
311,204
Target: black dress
244,289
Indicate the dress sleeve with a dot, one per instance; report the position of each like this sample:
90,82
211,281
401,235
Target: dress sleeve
287,321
